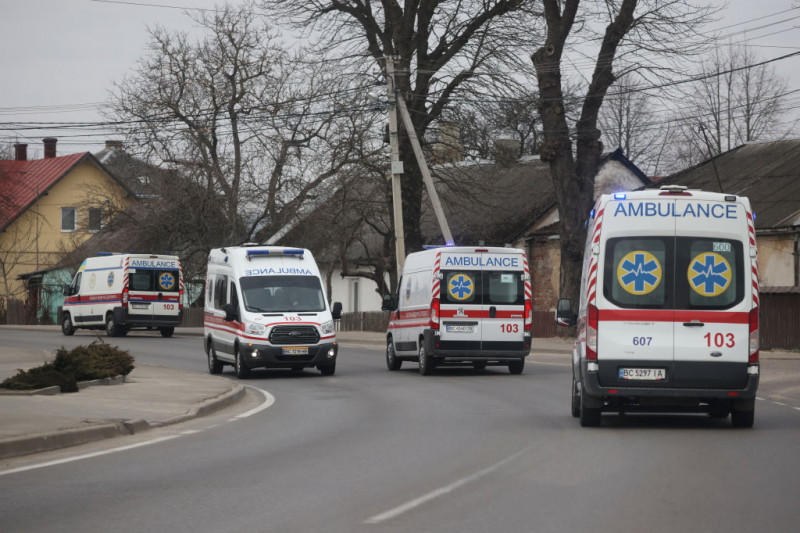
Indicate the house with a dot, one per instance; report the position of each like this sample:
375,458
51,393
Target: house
507,201
768,173
48,207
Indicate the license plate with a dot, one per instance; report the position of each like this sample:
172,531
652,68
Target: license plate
645,374
296,350
140,306
458,329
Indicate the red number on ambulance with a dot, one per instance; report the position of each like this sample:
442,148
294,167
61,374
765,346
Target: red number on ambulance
509,328
720,339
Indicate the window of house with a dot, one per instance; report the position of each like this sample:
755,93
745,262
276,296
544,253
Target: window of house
95,219
68,218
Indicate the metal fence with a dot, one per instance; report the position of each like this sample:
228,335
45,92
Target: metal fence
779,323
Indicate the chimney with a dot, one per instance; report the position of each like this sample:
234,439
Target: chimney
448,147
20,152
506,152
114,144
49,147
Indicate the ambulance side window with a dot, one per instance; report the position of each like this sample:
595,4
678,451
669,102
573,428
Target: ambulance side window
709,273
220,292
638,272
76,283
234,299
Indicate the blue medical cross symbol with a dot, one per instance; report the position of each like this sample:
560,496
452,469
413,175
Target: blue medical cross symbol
167,280
709,274
461,287
639,272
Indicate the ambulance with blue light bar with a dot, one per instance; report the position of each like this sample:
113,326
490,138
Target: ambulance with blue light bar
119,292
265,306
461,306
668,312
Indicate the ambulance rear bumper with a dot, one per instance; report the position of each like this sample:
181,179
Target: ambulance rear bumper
123,317
458,351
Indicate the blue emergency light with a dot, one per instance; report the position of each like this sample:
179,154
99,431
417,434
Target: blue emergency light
620,196
285,251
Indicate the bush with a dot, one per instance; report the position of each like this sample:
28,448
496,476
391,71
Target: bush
83,363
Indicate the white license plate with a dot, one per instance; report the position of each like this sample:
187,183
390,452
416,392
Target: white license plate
645,374
296,350
459,329
140,306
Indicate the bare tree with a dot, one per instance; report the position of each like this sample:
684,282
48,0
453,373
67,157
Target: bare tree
737,99
258,132
638,36
441,47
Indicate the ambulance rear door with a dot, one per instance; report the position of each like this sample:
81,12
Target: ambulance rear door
461,300
503,284
712,290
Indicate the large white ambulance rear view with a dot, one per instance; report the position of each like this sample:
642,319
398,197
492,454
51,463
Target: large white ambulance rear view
266,307
461,305
118,292
668,317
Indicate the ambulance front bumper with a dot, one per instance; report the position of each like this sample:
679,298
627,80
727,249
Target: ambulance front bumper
270,355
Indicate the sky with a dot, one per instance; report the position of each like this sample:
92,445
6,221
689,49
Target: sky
61,57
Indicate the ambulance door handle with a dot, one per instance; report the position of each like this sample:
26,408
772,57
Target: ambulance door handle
694,324
492,312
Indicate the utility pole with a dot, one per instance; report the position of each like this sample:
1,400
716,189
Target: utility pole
397,169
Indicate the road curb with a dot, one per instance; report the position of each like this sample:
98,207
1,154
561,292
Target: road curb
43,442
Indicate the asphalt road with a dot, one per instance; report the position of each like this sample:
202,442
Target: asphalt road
373,450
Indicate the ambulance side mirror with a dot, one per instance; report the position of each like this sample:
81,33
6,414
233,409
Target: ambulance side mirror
565,316
388,303
336,310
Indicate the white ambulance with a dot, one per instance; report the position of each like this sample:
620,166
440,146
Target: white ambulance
461,305
265,306
668,313
118,292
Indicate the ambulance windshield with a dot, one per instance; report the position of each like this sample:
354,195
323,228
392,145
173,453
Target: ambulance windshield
276,294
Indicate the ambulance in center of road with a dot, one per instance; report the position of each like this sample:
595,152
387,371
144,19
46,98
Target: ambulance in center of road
265,306
668,312
461,305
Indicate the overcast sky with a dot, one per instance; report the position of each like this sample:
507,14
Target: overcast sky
60,57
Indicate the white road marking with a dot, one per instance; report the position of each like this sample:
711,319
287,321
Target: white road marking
397,511
268,401
779,403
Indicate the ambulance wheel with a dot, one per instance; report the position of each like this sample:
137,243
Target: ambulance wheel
576,399
214,366
112,329
66,325
240,367
327,370
392,362
589,416
516,367
743,414
426,364
167,332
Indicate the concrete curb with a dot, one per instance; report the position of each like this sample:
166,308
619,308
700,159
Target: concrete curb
52,391
42,442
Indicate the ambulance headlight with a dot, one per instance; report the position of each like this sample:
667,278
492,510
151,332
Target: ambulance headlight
254,328
328,328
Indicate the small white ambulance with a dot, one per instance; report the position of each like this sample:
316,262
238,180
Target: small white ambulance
668,313
461,305
265,306
118,292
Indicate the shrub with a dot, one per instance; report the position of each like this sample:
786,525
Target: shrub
83,363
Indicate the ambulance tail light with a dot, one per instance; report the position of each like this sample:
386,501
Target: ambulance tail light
434,323
180,299
528,315
125,297
591,333
754,346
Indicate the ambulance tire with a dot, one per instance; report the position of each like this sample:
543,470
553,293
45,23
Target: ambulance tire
426,364
66,325
516,367
112,329
392,362
239,366
167,331
589,416
214,366
327,370
576,399
743,418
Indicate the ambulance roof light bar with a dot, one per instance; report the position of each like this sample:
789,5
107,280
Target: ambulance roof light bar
286,251
674,189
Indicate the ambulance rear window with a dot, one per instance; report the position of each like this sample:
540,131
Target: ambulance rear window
482,287
708,273
638,272
154,280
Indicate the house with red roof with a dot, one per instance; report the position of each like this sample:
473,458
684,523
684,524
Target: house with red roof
48,207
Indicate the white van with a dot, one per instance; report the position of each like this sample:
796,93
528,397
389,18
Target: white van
668,313
265,306
461,305
119,292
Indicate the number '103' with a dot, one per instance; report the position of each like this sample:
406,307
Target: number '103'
720,339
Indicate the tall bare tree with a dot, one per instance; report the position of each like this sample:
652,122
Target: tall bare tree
441,48
634,35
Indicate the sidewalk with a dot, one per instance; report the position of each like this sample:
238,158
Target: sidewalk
154,396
